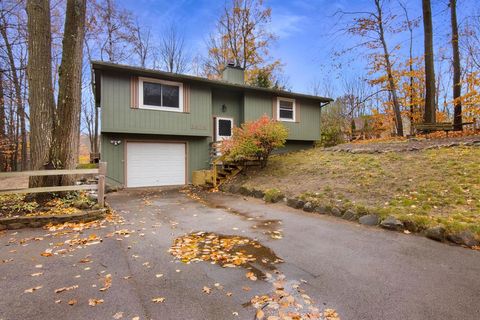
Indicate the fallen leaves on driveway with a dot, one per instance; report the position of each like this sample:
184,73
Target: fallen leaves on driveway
158,300
31,290
94,302
66,289
107,282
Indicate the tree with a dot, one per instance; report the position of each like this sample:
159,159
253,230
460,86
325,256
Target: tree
371,25
457,85
64,150
430,108
242,37
40,95
172,51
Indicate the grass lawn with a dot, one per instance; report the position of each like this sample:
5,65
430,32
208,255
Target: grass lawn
429,188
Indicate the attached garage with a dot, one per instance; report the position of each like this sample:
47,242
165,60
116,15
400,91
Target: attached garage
150,164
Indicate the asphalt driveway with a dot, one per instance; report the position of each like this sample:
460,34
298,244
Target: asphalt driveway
362,272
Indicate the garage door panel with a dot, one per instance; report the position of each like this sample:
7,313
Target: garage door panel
155,164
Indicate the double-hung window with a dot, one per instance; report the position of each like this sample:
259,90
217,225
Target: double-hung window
286,109
158,94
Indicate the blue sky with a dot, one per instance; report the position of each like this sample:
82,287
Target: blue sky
305,30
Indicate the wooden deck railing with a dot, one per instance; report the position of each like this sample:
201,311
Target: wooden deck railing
100,186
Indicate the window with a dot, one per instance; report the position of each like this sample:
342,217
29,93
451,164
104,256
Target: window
225,128
286,109
160,95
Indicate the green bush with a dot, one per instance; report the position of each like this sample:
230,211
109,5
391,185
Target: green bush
273,195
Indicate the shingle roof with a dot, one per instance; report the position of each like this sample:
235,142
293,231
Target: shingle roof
108,66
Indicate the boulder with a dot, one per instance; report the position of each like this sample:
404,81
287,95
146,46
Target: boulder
321,209
369,220
464,237
257,193
336,212
350,215
309,207
244,191
295,203
392,223
436,233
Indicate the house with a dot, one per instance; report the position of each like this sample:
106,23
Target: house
157,127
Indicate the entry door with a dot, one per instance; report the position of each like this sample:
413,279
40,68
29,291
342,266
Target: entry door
223,128
155,164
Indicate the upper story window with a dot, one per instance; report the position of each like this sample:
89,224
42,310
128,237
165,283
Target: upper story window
286,109
158,94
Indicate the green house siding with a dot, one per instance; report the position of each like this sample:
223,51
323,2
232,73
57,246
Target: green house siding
233,103
118,116
307,127
197,152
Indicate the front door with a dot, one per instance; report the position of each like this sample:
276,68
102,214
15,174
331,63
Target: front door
223,128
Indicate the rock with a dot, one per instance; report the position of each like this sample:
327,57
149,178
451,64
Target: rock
92,196
350,215
369,220
234,188
436,233
321,209
14,226
391,223
257,193
336,212
244,191
96,207
464,237
309,207
36,224
295,203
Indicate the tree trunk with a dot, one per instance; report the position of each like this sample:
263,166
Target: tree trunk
18,95
388,65
3,139
95,132
64,151
457,86
429,114
40,88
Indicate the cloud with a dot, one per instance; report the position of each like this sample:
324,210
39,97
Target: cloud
285,25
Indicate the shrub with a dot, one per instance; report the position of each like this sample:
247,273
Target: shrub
273,195
254,140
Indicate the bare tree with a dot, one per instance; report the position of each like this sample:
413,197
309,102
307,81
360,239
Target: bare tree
40,95
429,115
64,150
141,42
457,71
172,51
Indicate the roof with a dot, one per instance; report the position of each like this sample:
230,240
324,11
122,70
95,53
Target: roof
120,68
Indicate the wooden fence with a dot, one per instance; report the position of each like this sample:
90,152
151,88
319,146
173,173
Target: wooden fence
100,186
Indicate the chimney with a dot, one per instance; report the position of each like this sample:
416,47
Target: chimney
233,74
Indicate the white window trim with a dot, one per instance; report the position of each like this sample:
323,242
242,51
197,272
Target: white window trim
293,106
141,105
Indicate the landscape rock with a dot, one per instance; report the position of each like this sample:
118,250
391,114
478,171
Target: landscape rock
464,237
350,215
336,212
321,209
369,220
257,194
309,207
391,223
436,233
244,191
14,226
295,203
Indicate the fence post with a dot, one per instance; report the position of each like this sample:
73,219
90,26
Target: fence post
102,171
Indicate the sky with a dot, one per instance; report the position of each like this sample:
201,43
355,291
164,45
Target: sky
308,31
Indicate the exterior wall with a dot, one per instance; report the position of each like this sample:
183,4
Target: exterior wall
233,101
307,127
197,153
117,116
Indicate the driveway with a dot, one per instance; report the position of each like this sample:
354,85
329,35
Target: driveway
361,272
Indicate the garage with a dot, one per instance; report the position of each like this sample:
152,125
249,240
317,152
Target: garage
152,164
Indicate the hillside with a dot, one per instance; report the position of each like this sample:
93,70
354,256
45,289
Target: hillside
425,188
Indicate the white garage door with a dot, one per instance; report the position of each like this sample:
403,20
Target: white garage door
155,164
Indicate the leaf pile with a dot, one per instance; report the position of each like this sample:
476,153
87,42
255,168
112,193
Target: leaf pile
225,250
